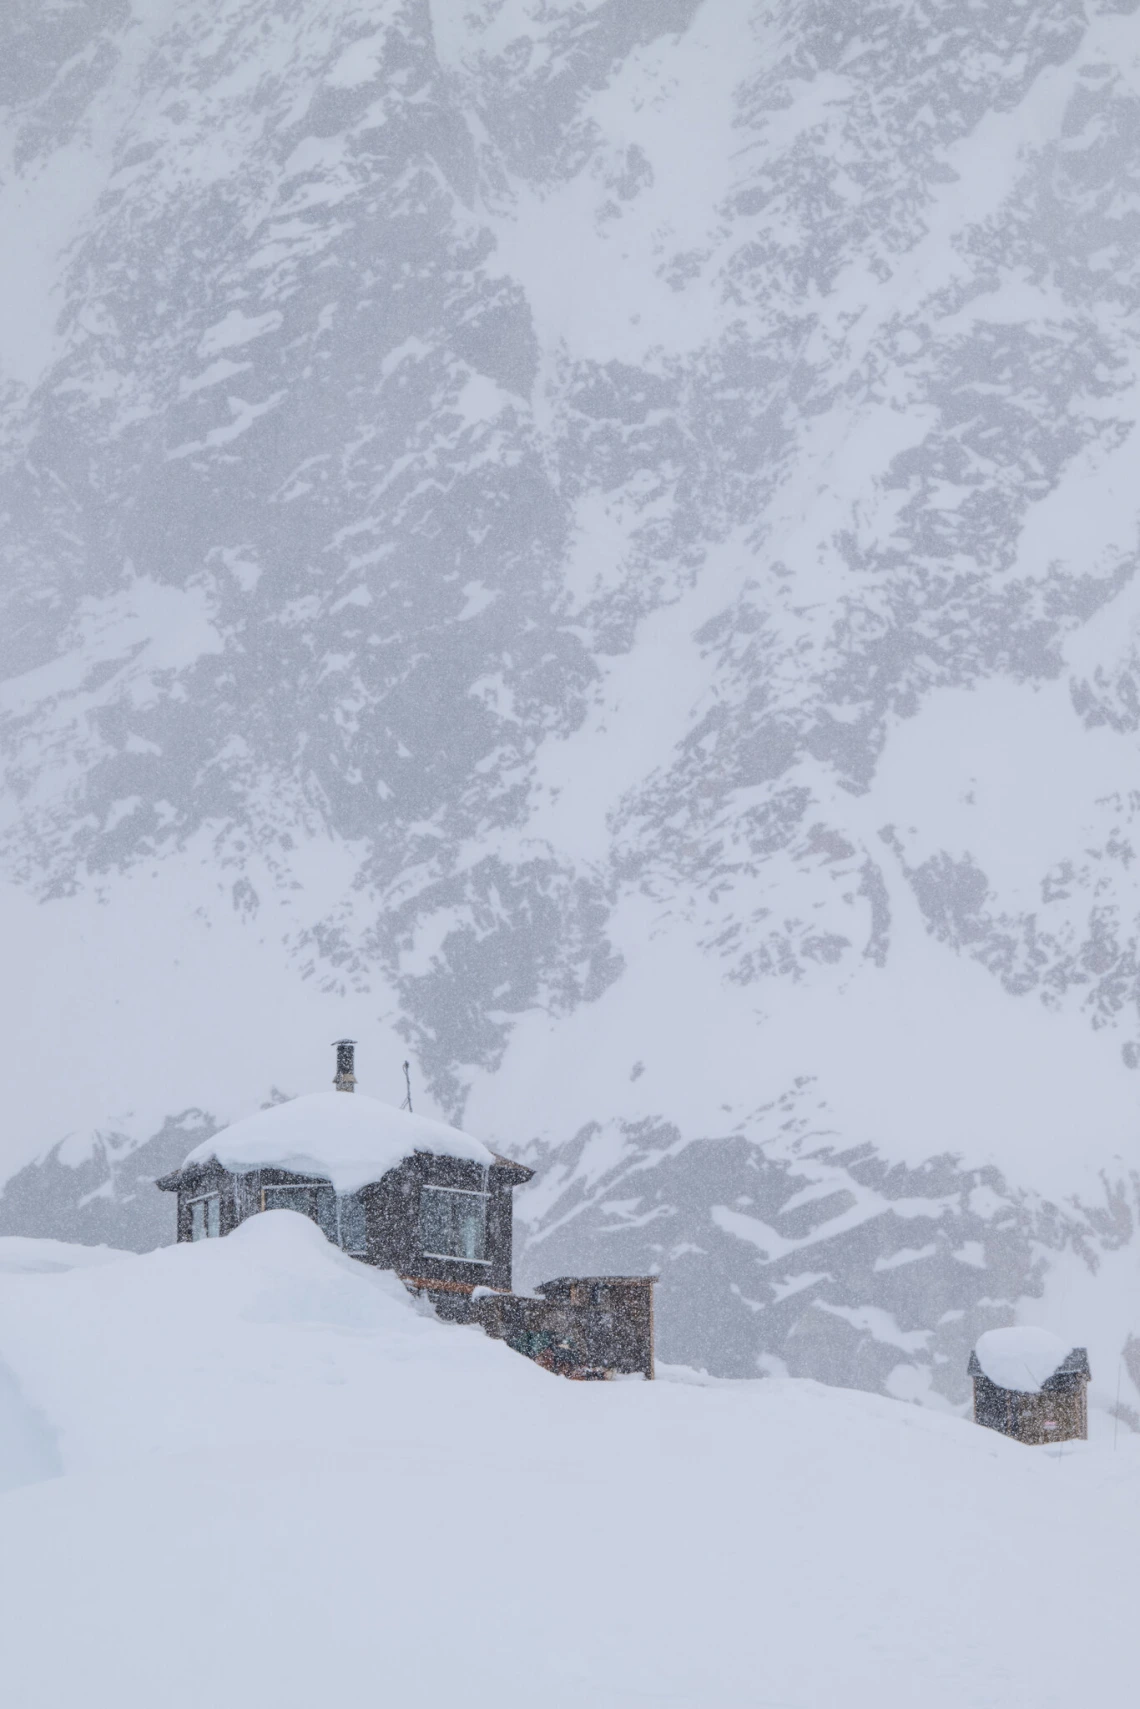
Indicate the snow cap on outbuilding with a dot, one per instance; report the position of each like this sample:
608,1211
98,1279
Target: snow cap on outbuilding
1025,1360
347,1141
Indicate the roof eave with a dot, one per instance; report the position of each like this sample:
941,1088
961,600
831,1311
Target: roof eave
519,1170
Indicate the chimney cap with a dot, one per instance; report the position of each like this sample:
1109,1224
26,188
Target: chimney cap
344,1041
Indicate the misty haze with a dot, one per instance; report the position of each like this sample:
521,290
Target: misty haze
569,725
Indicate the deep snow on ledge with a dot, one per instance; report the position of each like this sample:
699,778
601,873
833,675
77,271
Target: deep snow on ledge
1022,1358
345,1138
270,1447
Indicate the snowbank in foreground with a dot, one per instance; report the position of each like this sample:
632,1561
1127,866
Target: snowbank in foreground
21,1255
283,1483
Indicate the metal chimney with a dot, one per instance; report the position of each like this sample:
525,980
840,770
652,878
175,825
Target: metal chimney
345,1058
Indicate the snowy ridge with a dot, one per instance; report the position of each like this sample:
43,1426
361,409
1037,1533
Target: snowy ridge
596,544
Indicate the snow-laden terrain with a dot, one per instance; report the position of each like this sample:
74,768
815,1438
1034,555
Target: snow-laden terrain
592,543
252,1471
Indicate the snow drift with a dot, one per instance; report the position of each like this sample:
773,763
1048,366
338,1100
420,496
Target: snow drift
1021,1359
263,1475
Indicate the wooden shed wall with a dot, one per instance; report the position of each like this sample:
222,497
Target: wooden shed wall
1058,1414
588,1326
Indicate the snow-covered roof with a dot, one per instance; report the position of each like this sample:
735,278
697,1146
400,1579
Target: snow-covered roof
1022,1359
342,1137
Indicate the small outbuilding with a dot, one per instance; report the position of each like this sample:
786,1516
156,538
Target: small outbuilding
418,1197
1028,1385
581,1326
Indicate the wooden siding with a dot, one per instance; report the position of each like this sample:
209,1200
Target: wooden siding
1058,1414
393,1211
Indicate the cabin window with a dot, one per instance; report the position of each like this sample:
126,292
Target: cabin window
453,1224
353,1231
340,1218
314,1199
205,1217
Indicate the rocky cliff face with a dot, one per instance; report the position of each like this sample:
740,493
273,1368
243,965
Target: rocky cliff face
599,540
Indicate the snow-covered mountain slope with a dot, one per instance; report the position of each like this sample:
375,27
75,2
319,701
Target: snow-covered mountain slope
252,1467
595,544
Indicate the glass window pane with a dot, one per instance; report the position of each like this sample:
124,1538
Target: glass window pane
213,1217
325,1212
471,1225
197,1219
435,1221
298,1199
317,1201
453,1224
353,1234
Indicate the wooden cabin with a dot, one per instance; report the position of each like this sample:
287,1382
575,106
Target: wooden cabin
412,1195
390,1188
1029,1386
430,1217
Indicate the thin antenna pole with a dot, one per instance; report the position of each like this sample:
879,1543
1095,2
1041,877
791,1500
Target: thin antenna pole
407,1103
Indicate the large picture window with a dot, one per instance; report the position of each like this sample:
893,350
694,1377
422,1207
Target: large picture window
453,1224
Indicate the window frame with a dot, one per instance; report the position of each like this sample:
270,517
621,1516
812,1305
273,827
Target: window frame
458,1192
313,1186
317,1184
211,1201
